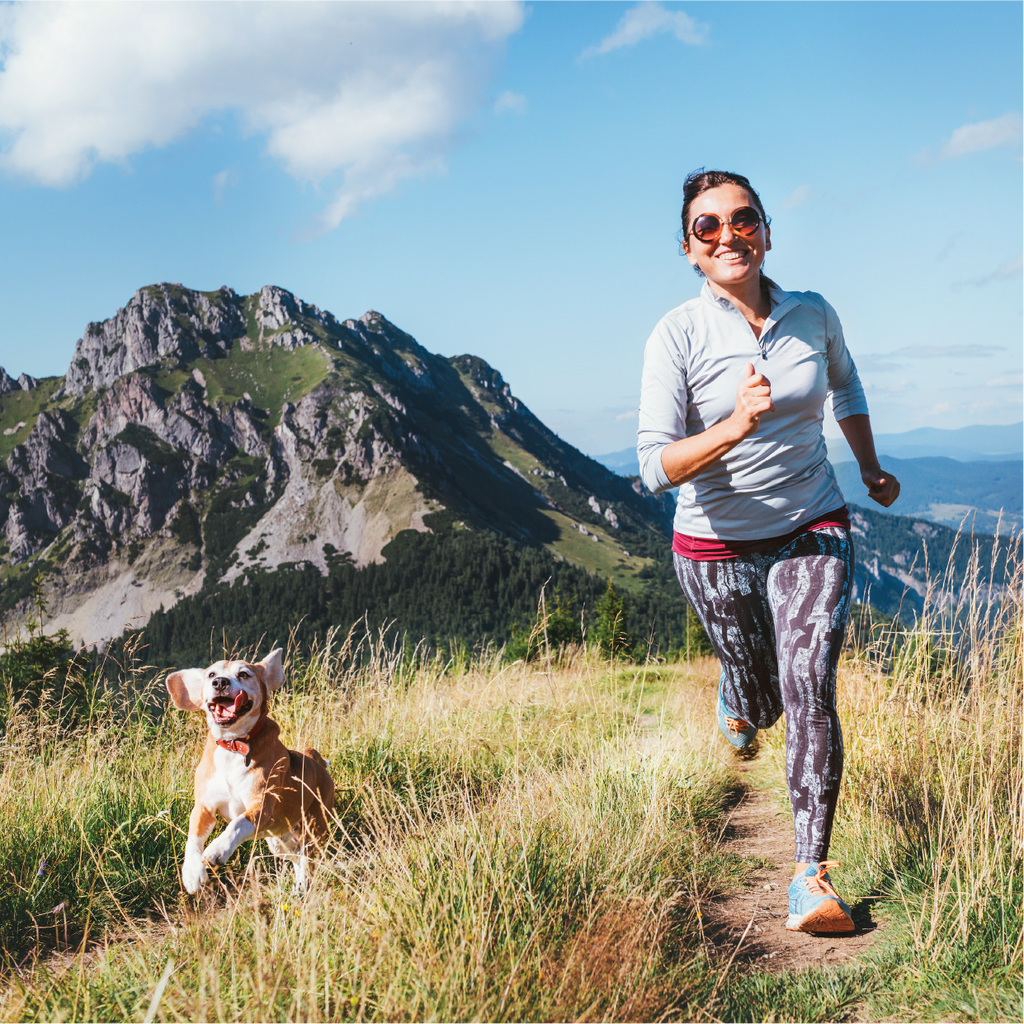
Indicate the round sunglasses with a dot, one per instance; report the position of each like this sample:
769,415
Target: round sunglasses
708,228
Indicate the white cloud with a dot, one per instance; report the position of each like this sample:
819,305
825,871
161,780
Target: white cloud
1007,130
646,20
1009,270
512,102
369,93
797,197
948,351
631,414
1007,380
222,180
890,389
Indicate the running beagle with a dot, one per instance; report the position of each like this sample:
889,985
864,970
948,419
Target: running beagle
247,775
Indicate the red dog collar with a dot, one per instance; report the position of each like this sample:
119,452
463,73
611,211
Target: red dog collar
242,746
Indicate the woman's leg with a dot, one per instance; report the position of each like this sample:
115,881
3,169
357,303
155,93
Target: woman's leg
809,589
730,599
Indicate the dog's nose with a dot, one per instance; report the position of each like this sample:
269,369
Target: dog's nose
221,683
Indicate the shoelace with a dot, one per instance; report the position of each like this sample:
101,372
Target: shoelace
819,885
736,725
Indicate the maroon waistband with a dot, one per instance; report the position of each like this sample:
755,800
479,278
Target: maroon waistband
712,549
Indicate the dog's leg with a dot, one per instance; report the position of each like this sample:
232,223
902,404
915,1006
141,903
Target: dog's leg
193,871
289,847
237,831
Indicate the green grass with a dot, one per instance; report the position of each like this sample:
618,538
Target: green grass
270,376
495,827
514,842
23,407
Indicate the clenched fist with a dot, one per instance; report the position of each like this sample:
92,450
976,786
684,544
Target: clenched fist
753,399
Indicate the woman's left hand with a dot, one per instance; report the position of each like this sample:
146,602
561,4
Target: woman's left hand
882,487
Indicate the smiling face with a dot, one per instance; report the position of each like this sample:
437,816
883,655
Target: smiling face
732,262
231,693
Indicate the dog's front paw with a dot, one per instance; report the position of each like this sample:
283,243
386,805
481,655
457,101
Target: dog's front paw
193,874
218,852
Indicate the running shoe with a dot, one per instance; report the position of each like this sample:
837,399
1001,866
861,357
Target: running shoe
739,732
814,906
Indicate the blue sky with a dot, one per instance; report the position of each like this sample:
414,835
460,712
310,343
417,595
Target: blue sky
505,179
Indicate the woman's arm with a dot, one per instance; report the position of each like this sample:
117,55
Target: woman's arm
686,458
882,487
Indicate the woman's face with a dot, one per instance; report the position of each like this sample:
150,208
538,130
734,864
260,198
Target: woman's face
731,261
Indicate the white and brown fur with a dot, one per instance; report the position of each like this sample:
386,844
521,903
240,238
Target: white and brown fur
261,788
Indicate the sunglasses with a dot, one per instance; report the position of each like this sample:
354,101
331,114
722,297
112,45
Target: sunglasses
708,228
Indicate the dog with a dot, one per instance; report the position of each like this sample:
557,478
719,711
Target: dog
247,775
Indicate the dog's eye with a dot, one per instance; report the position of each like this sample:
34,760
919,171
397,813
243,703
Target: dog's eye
244,674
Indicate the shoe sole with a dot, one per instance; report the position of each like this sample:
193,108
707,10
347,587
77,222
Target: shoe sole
828,918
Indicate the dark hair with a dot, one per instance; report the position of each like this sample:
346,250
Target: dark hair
700,181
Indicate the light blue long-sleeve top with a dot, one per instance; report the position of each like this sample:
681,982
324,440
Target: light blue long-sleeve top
778,478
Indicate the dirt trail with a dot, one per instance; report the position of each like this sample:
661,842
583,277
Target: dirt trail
758,827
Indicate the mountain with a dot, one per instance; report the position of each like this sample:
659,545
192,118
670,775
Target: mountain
951,483
899,551
988,495
976,443
201,438
966,444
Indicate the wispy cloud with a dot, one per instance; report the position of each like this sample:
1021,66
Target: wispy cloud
223,180
510,102
1004,272
876,363
890,389
979,137
1007,380
948,351
798,197
630,414
364,94
647,20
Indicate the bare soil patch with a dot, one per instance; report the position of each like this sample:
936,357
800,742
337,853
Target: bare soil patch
755,919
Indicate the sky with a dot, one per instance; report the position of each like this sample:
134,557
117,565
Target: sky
505,179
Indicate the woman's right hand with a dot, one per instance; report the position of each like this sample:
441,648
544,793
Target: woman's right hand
753,399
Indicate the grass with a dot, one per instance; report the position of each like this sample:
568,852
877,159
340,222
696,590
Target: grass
23,407
519,842
497,827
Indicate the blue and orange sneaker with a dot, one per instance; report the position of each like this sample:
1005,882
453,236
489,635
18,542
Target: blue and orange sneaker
739,732
814,906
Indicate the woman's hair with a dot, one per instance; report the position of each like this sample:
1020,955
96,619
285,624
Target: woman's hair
700,181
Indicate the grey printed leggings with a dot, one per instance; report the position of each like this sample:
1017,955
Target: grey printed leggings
777,620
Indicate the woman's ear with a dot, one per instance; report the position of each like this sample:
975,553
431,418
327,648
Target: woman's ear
767,238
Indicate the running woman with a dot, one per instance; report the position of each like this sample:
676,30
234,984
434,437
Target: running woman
731,412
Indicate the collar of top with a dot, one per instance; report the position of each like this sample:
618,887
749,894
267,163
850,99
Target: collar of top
782,301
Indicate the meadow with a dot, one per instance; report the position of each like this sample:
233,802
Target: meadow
520,841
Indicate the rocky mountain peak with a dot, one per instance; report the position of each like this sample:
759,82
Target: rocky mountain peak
203,436
161,322
23,383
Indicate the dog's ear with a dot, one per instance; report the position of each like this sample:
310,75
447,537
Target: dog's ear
271,665
186,689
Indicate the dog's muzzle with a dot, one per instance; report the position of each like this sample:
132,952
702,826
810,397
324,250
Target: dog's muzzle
225,711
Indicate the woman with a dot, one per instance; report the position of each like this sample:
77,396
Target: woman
731,411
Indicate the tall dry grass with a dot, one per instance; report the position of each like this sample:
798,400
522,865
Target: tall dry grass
512,842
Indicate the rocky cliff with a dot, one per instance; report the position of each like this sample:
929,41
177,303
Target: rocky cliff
198,436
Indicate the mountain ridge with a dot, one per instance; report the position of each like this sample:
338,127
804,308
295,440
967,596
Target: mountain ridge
202,436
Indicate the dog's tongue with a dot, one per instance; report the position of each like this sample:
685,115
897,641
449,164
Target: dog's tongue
240,701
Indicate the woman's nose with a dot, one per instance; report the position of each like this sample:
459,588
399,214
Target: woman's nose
727,234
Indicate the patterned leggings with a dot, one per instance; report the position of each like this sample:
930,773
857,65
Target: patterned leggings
777,620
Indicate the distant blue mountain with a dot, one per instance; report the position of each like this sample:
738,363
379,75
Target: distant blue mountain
625,463
945,475
966,444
